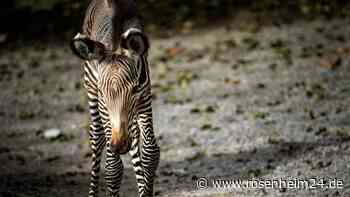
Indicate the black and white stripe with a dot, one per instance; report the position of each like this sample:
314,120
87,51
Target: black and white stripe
119,92
144,149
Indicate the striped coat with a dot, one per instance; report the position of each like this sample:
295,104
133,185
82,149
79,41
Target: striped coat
117,80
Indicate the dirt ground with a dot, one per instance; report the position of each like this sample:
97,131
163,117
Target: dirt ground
244,99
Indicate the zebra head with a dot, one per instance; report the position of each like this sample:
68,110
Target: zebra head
120,81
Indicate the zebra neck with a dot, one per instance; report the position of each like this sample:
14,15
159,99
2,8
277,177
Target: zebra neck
93,68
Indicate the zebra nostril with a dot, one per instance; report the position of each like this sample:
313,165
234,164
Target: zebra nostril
121,148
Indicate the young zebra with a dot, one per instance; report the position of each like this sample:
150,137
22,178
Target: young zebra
116,77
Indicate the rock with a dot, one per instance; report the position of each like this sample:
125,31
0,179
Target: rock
52,133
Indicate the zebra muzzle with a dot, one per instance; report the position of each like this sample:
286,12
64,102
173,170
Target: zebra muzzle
120,142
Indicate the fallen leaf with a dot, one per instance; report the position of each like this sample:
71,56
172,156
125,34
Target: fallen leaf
331,62
343,50
232,81
174,51
206,127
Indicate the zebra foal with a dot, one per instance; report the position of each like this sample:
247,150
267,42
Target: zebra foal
116,77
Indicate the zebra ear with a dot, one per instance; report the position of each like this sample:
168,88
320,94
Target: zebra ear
135,40
86,48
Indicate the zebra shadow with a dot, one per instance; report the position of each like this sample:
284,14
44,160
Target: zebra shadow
175,178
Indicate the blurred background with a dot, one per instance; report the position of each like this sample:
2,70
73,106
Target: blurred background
242,89
32,19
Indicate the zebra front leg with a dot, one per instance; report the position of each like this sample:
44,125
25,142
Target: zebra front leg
97,142
150,154
114,172
136,159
